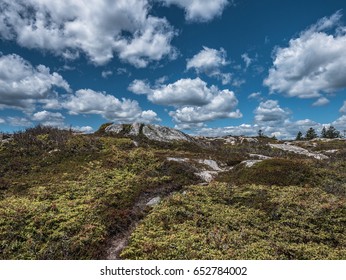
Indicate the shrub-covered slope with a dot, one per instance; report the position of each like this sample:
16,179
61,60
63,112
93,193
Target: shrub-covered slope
219,221
68,196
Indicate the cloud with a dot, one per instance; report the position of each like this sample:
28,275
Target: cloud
51,103
182,92
123,71
222,105
270,113
23,85
87,101
243,129
314,62
195,102
199,10
161,80
255,95
106,74
83,129
203,114
286,130
321,102
210,62
140,87
325,23
238,82
148,117
207,60
18,121
49,118
2,121
189,126
272,120
97,28
247,59
340,123
343,108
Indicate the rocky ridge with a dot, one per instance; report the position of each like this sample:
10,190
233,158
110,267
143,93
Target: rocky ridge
150,131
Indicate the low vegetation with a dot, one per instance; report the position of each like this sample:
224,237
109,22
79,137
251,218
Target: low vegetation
222,221
280,172
65,195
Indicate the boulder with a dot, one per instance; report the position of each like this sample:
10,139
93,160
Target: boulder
154,201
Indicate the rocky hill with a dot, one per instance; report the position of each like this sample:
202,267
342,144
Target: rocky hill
137,191
151,132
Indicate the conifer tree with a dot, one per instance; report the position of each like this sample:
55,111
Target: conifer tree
260,133
324,132
311,134
332,133
299,136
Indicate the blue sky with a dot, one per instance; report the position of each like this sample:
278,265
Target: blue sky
206,67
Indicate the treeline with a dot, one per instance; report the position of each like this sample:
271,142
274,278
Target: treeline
311,133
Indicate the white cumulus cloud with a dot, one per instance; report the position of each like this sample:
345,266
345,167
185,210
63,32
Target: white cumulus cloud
148,116
179,93
285,130
210,62
340,124
87,101
321,102
97,28
49,118
243,129
199,10
270,113
208,59
83,129
255,95
273,121
313,63
195,102
206,113
140,87
23,85
18,121
343,108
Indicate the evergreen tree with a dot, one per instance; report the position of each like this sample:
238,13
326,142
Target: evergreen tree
311,134
299,136
324,132
332,132
260,133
